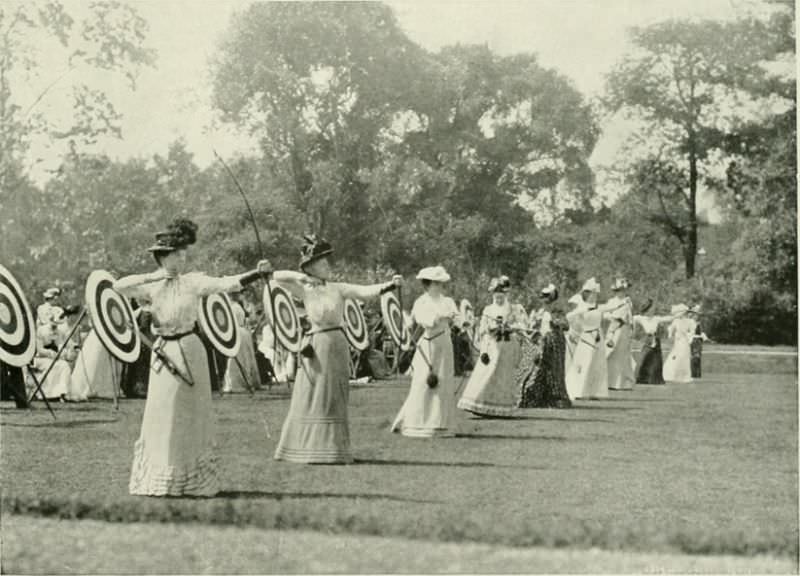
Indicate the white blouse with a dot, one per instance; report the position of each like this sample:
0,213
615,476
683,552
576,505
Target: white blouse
650,324
434,313
324,301
512,314
173,301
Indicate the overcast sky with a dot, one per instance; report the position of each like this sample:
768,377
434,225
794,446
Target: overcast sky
580,38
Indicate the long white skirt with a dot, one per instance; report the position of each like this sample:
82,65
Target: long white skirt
244,374
96,369
620,361
58,382
430,412
677,367
587,375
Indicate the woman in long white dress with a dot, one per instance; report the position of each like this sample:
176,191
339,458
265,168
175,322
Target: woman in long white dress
430,407
587,376
316,429
493,387
242,373
619,338
96,369
58,384
677,367
175,454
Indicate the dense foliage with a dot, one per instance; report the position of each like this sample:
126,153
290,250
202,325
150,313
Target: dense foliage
404,158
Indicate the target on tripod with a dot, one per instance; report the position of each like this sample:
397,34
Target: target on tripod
286,323
219,324
112,317
17,328
393,318
355,327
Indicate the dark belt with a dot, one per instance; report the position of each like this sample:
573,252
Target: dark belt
171,337
322,330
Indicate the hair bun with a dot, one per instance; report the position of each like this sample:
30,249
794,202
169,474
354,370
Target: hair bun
183,231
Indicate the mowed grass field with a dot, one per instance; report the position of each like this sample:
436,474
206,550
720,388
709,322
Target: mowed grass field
708,468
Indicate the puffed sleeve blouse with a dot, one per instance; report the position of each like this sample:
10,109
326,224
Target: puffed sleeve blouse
434,314
173,301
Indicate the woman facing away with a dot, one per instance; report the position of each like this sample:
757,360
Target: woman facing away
316,429
618,340
175,453
429,409
542,376
698,339
242,373
493,387
677,368
649,368
587,376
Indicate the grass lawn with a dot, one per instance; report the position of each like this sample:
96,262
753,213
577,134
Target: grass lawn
704,468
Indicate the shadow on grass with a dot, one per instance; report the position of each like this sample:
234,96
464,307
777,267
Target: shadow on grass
257,494
602,405
512,437
59,423
544,418
377,462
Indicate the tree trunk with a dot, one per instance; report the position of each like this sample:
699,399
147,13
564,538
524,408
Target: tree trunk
690,247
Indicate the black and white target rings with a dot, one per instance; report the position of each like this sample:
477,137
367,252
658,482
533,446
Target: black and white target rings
355,327
393,318
17,328
286,323
112,317
218,323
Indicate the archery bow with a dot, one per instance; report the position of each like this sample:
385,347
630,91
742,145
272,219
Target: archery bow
260,245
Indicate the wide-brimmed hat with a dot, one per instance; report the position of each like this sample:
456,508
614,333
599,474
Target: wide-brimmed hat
434,274
500,284
678,310
620,283
51,293
314,248
591,285
180,233
549,293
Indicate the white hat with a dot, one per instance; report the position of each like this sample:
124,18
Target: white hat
591,285
550,292
695,309
434,274
679,310
620,283
51,293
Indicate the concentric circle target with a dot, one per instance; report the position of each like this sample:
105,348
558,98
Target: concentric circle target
355,327
17,328
287,324
112,317
218,323
393,318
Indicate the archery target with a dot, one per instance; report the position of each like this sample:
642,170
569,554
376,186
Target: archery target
17,328
218,323
112,317
355,327
286,324
393,318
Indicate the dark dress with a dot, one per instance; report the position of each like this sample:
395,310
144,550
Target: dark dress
541,372
649,369
12,385
696,348
462,351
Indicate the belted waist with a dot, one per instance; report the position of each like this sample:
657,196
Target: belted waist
434,337
179,335
321,330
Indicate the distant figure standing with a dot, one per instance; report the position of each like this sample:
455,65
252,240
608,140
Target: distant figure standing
242,372
618,339
650,368
698,338
677,367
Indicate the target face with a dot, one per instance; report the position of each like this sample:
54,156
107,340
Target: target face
17,328
218,324
355,327
393,318
112,317
286,323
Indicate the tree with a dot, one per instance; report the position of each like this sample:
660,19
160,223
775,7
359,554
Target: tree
108,36
682,81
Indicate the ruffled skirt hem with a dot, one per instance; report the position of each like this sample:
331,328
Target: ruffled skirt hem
199,478
482,409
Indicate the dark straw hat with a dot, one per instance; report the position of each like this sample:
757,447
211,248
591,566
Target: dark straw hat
313,249
179,234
